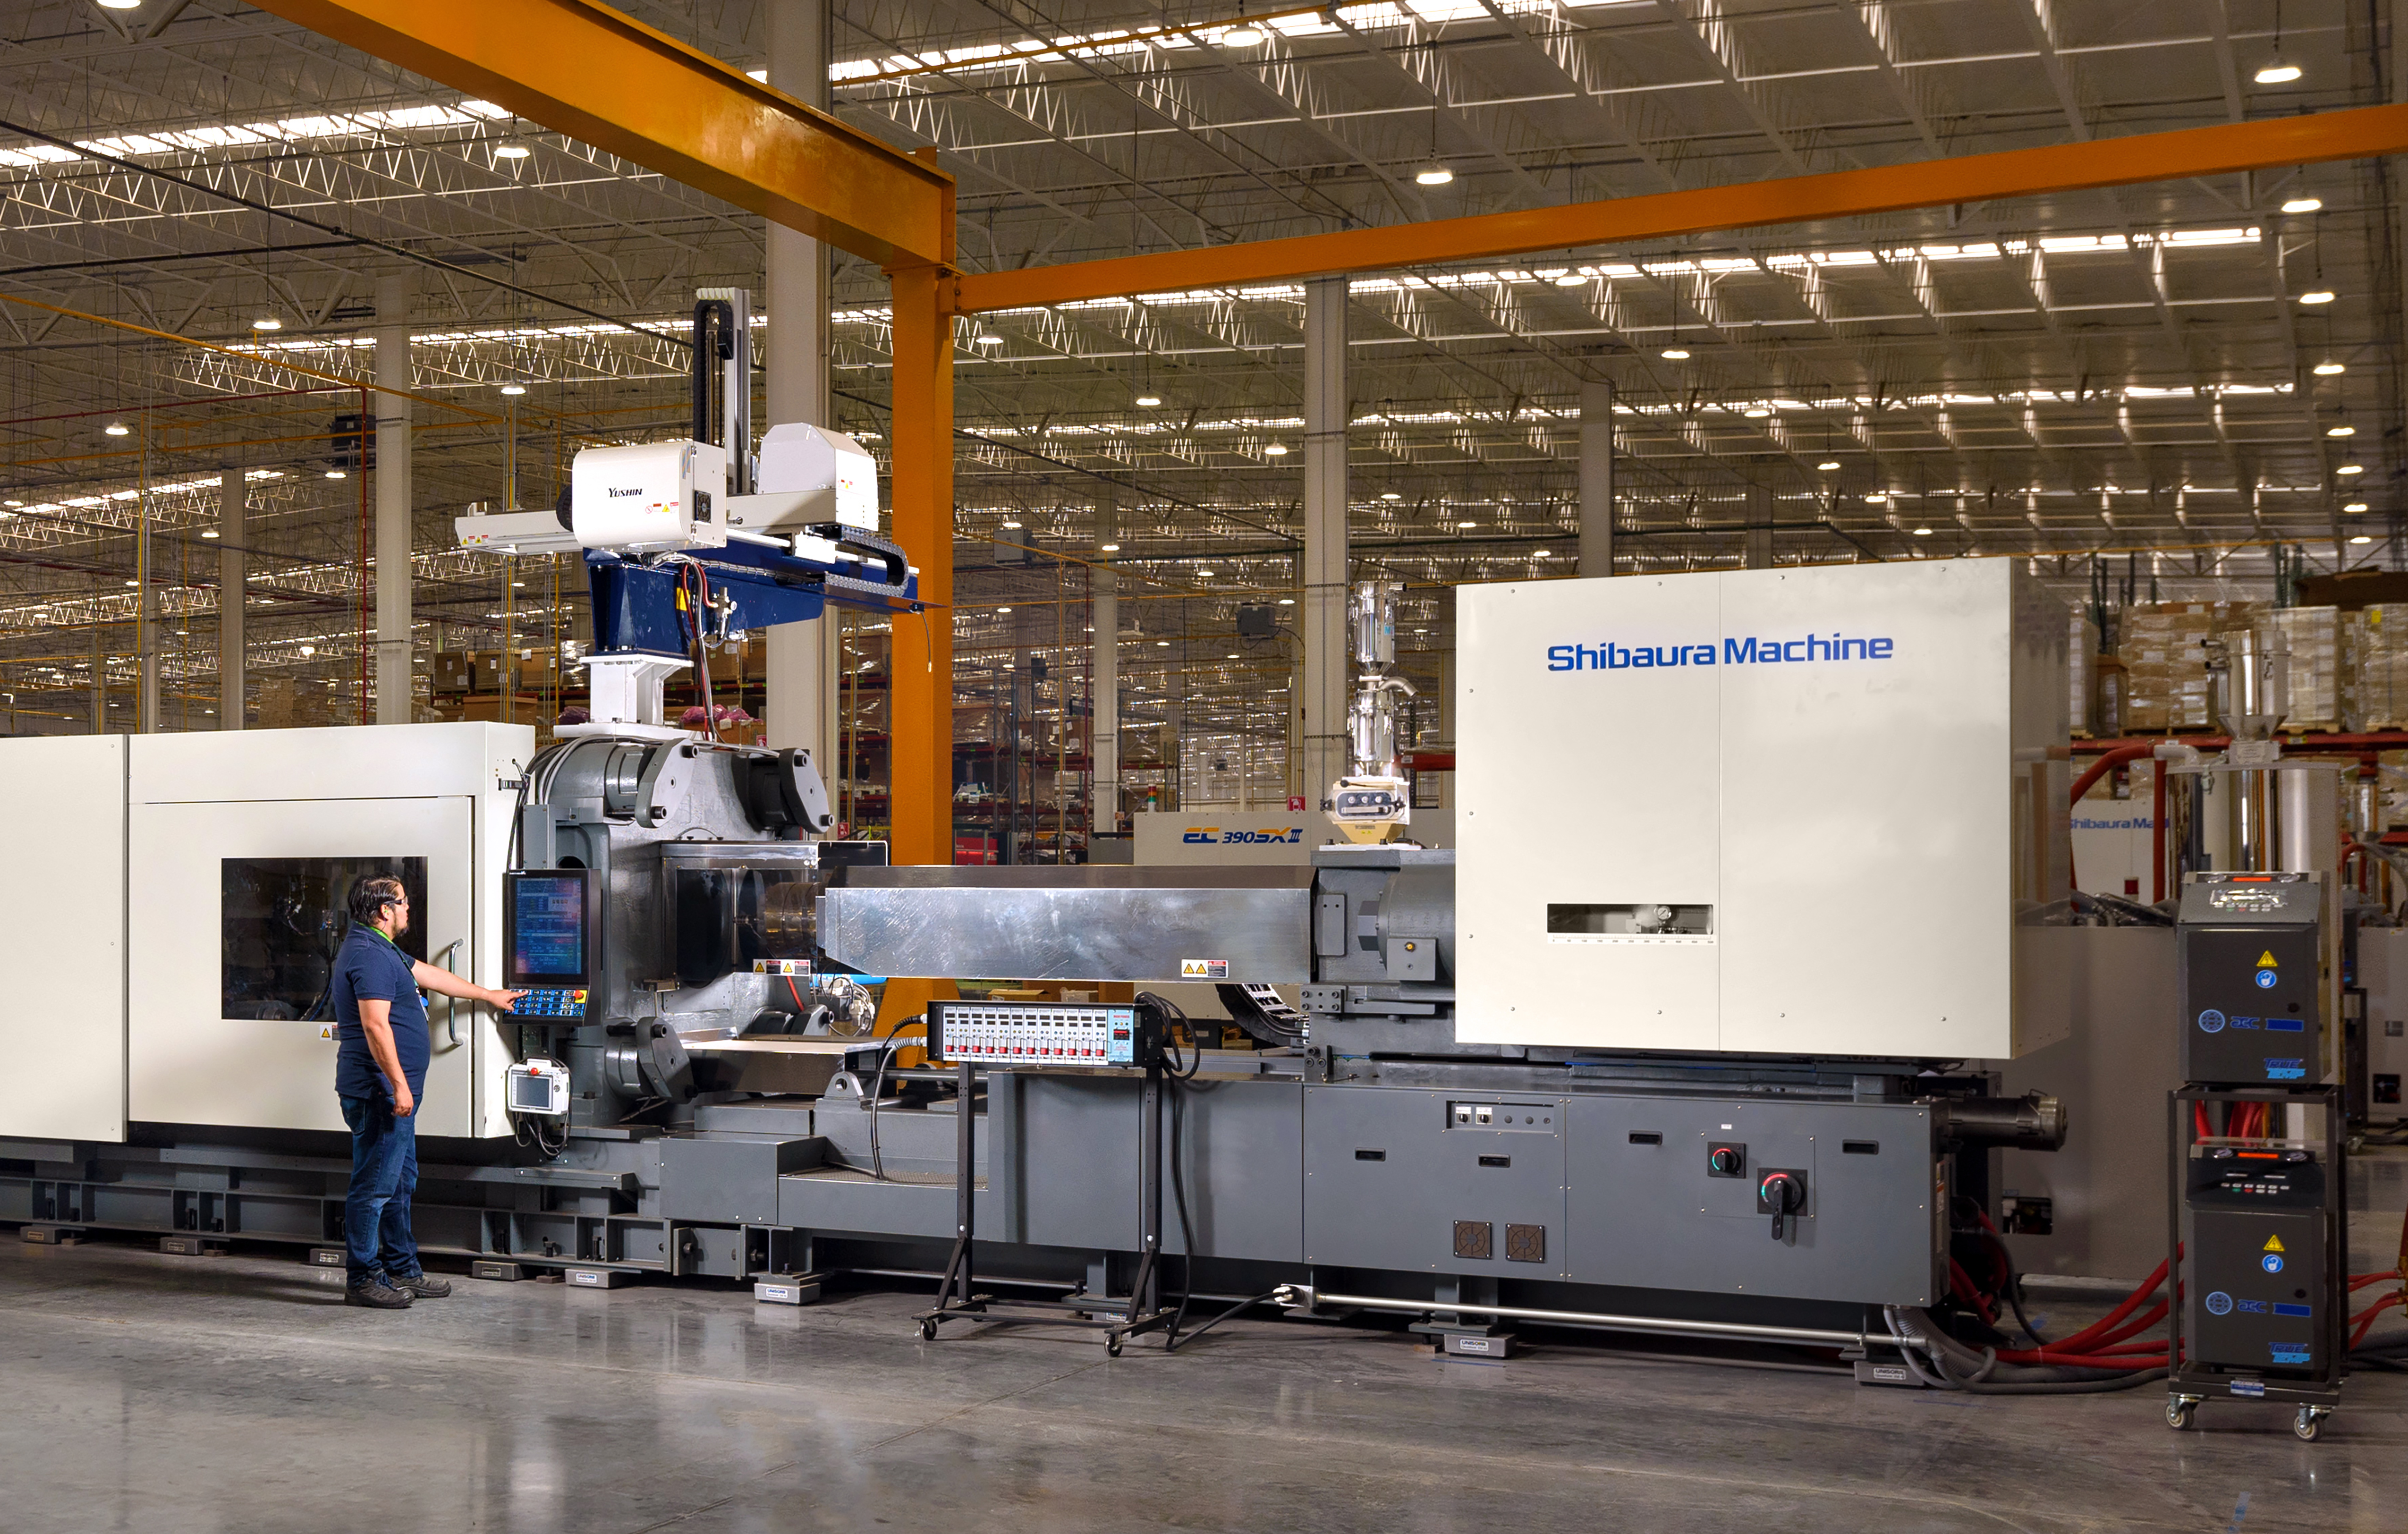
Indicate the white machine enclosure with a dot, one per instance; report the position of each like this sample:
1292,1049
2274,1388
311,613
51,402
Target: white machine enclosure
135,928
809,475
650,495
1846,784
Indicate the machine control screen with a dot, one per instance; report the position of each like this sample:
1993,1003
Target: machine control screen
551,929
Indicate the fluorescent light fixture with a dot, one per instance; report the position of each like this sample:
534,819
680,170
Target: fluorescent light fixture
1111,547
1540,554
514,388
988,337
2355,506
1012,526
2326,369
308,650
2276,73
118,5
1204,575
1827,465
1570,279
1162,644
1390,496
1244,34
510,148
1875,498
2345,469
2340,431
1923,532
1287,601
116,428
134,582
267,321
1467,524
1674,353
1433,176
337,474
1003,610
2317,295
2304,205
208,532
1275,449
2361,538
1756,412
1148,401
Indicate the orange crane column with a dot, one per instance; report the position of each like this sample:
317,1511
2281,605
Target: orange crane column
922,474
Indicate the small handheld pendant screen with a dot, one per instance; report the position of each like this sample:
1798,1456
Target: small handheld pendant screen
550,919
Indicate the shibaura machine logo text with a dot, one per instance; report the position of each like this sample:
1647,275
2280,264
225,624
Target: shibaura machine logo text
1769,650
1213,835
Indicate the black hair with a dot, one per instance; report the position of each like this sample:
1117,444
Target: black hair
371,895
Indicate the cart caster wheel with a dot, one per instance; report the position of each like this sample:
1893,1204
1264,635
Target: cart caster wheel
2308,1425
2178,1415
1111,1347
927,1331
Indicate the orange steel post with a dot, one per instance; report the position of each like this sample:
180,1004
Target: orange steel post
597,75
2354,134
920,681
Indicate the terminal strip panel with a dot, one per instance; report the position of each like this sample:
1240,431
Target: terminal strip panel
1032,1033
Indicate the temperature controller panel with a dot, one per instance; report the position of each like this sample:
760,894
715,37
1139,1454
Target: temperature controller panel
1012,1033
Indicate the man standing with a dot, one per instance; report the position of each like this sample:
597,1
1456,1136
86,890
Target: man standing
379,1070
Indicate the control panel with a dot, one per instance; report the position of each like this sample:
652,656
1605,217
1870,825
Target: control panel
2249,957
2256,1227
540,1086
1015,1032
547,1003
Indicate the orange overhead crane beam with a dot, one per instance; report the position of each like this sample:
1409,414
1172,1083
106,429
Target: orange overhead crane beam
603,76
2356,132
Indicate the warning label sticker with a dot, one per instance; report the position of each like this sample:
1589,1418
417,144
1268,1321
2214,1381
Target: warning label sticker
2266,960
1203,970
2273,1243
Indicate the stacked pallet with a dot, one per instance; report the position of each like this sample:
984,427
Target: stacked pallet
2082,673
2313,638
2164,661
2374,643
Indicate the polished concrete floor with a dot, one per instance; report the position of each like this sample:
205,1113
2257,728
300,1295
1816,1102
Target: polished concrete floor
149,1392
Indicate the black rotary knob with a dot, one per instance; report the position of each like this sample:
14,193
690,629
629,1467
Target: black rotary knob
1727,1161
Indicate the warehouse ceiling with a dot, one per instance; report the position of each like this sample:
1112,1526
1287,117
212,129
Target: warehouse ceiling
2141,374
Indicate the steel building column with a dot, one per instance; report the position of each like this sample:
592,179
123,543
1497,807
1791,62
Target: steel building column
1325,668
2265,143
799,706
1104,683
1756,546
586,70
1596,479
393,292
99,673
921,669
234,533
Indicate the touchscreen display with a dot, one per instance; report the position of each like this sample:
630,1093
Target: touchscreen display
547,929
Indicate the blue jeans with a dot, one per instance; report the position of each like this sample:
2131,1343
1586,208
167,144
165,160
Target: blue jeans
385,1173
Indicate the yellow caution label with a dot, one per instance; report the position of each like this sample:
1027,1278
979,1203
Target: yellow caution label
2273,1243
2266,960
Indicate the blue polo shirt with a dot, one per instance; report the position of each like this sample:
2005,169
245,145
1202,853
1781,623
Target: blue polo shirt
370,968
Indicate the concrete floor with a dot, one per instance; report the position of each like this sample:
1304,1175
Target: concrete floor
148,1392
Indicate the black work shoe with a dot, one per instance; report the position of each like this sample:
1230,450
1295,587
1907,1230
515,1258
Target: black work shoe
379,1296
424,1286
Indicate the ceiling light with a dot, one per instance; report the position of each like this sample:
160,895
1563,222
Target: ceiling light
1003,610
1390,496
2326,369
510,148
1287,601
1275,449
337,474
1433,176
2345,469
208,532
2355,506
308,650
518,585
2276,73
1467,524
11,503
1206,575
1570,279
1674,353
2317,295
988,337
134,582
267,321
2304,205
2361,538
2340,431
1162,644
1827,465
1756,412
1111,547
1148,401
1229,657
116,428
1923,532
1875,498
1538,553
1244,34
1012,526
118,5
514,388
